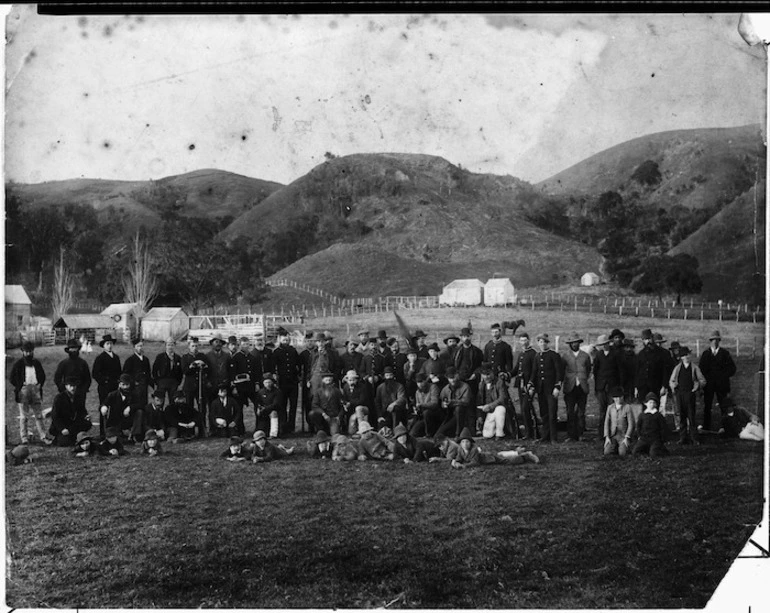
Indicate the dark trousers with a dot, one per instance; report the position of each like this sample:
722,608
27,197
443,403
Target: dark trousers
528,414
708,399
654,448
201,403
429,424
306,399
73,427
168,388
548,407
290,392
575,400
685,400
604,400
397,416
426,449
102,390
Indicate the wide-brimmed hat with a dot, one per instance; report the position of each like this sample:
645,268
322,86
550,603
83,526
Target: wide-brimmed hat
217,337
465,434
237,440
646,334
322,437
107,338
683,351
259,435
387,370
399,430
319,336
434,346
574,337
232,340
125,378
363,333
651,396
72,345
27,346
81,437
420,334
150,435
451,336
616,392
726,403
364,426
602,340
715,335
658,338
617,332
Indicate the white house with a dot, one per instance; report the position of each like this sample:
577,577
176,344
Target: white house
589,278
163,322
463,292
499,292
18,307
126,316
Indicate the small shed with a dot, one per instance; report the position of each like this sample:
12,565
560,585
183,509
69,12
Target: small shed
499,292
18,307
162,322
126,316
589,279
463,292
90,326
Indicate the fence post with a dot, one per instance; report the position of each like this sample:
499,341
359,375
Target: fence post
620,310
533,307
697,347
701,315
637,310
720,314
737,347
652,312
685,314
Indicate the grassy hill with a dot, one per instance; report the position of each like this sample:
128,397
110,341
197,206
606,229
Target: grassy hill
418,220
701,168
730,255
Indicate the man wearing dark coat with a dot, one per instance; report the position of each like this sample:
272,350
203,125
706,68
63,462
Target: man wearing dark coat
106,372
717,367
75,367
287,367
418,342
262,361
352,359
137,366
195,382
467,360
498,353
68,415
167,371
522,373
357,401
116,410
239,371
608,374
547,381
650,368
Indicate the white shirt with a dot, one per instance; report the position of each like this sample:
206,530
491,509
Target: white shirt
30,376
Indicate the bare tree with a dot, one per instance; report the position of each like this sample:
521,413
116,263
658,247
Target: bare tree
140,284
62,288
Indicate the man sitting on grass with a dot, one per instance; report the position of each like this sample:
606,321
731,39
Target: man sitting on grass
492,401
68,416
153,417
618,425
652,429
265,451
739,423
181,419
226,413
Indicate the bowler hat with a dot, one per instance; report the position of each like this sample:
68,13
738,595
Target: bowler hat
434,346
420,334
411,349
726,403
20,452
683,351
237,440
658,338
244,339
494,326
451,371
72,381
27,346
135,340
465,434
524,335
259,435
321,436
158,394
232,340
72,345
646,334
392,340
628,342
451,336
217,337
616,392
617,332
399,430
715,335
466,332
574,338
674,345
150,435
319,336
112,431
602,340
107,338
651,396
387,370
267,375
281,331
179,395
382,335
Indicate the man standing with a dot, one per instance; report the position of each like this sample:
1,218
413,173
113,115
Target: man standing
287,367
352,359
650,368
447,355
167,371
106,372
399,359
467,360
76,368
434,366
137,366
577,368
717,366
195,383
218,360
27,379
522,373
546,380
498,353
608,375
418,341
262,361
239,370
685,380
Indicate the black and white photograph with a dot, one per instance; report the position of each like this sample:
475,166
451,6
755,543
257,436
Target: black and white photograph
374,310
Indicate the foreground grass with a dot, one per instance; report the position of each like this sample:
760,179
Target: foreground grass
189,530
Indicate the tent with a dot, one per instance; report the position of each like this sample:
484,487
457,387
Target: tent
163,322
589,278
463,292
499,292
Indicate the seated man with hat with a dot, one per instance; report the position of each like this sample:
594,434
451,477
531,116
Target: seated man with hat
430,415
652,429
457,402
74,367
27,378
226,414
390,400
357,401
493,403
326,405
270,406
182,419
117,409
68,415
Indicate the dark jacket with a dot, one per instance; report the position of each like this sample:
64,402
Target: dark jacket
652,427
73,367
650,369
179,412
18,374
387,393
140,371
262,361
468,360
287,366
106,370
153,419
66,413
193,376
227,410
269,400
500,355
524,367
328,399
167,368
218,362
548,373
496,395
359,395
116,403
352,361
607,371
717,369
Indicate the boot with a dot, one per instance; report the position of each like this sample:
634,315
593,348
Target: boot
273,427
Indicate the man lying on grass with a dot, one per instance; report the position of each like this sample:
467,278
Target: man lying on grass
408,449
85,447
236,451
373,446
739,423
264,451
111,445
466,453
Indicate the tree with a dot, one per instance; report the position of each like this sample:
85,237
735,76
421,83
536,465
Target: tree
140,284
62,288
647,173
663,273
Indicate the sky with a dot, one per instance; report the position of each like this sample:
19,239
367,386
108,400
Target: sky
143,97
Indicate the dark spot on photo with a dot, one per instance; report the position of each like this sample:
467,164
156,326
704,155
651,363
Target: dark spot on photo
243,137
82,21
84,34
191,147
106,144
85,94
333,25
107,30
653,74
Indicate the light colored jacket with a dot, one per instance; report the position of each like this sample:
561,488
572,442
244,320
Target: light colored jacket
619,421
699,380
576,370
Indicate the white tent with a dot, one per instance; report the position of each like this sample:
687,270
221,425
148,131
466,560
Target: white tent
589,278
463,292
163,322
499,292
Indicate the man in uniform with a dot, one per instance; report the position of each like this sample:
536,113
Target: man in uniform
498,353
106,372
547,380
522,373
287,368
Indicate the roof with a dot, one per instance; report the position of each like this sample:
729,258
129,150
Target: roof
498,281
15,294
162,313
78,322
593,274
121,308
464,284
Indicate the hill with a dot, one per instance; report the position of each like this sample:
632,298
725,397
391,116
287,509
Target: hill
406,213
701,169
202,193
731,255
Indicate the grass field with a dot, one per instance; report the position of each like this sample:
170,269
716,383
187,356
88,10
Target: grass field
577,531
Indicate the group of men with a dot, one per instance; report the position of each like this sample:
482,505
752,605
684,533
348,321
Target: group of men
426,388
